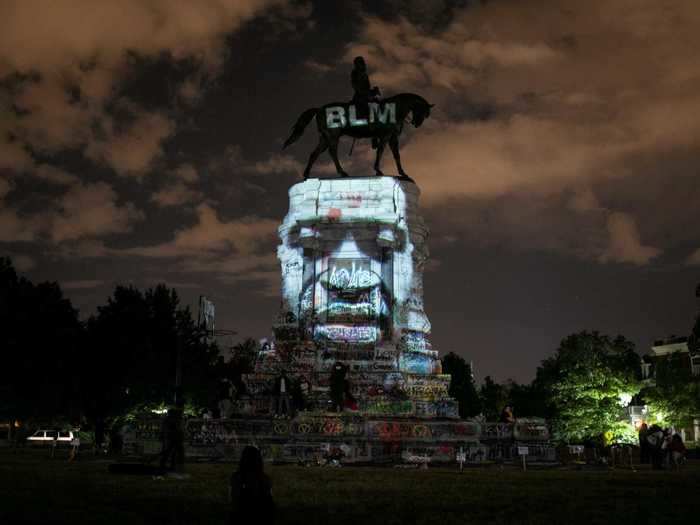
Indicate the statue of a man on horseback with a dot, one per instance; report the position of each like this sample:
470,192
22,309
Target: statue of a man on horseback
364,117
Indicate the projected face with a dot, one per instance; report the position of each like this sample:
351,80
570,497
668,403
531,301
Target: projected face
352,256
351,289
350,300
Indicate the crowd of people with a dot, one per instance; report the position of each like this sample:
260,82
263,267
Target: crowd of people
661,447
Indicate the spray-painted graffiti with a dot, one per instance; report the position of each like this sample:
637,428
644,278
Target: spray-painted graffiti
416,363
497,431
531,429
389,407
347,333
352,274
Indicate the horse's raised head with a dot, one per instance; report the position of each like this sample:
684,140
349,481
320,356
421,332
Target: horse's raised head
420,113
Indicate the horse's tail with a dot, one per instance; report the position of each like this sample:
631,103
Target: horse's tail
298,129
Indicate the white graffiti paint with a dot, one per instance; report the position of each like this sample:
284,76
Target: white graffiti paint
356,277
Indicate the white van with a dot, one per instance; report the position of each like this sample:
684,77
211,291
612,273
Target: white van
47,437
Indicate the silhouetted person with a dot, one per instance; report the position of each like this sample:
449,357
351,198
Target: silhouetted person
677,450
507,415
337,381
172,440
643,444
282,392
250,491
364,92
655,438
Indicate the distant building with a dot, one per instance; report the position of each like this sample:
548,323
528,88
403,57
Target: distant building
661,349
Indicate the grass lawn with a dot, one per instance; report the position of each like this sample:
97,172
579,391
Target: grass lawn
37,489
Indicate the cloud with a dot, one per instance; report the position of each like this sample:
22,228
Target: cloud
17,228
530,101
68,73
186,173
234,251
276,164
133,151
55,175
176,195
210,235
23,263
317,67
694,258
86,284
6,187
625,244
90,210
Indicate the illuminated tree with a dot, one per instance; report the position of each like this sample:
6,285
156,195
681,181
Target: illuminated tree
591,379
675,397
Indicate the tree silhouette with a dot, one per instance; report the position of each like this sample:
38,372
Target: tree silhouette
461,385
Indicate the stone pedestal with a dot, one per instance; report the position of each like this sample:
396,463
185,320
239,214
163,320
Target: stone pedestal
352,254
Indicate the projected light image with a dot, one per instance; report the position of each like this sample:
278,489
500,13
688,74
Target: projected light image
352,254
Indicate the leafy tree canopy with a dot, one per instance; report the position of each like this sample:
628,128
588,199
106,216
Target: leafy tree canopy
675,397
591,378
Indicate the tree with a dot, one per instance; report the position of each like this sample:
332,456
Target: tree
134,341
527,400
591,379
675,397
461,385
39,343
494,397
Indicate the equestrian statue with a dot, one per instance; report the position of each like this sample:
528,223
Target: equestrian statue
365,116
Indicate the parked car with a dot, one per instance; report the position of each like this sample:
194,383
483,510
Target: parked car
46,437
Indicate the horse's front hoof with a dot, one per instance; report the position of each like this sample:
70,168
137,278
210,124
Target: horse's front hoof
404,176
343,174
379,173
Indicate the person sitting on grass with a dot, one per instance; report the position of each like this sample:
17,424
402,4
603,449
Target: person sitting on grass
250,491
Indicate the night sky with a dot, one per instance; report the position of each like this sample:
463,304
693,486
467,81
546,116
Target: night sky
140,142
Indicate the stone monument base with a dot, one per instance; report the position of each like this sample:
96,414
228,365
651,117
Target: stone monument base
313,437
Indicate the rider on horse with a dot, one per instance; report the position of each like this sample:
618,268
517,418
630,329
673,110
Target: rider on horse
364,92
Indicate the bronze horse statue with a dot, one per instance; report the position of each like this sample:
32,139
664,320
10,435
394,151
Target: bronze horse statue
382,121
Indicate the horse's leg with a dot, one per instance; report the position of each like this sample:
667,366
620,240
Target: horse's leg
333,150
394,145
322,146
380,152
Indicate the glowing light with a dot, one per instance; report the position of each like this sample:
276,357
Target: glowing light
625,399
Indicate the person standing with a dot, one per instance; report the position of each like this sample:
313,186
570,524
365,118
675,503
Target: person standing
643,444
507,415
250,491
168,437
655,438
338,388
282,388
74,447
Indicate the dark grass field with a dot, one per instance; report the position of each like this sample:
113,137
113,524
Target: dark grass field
37,489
